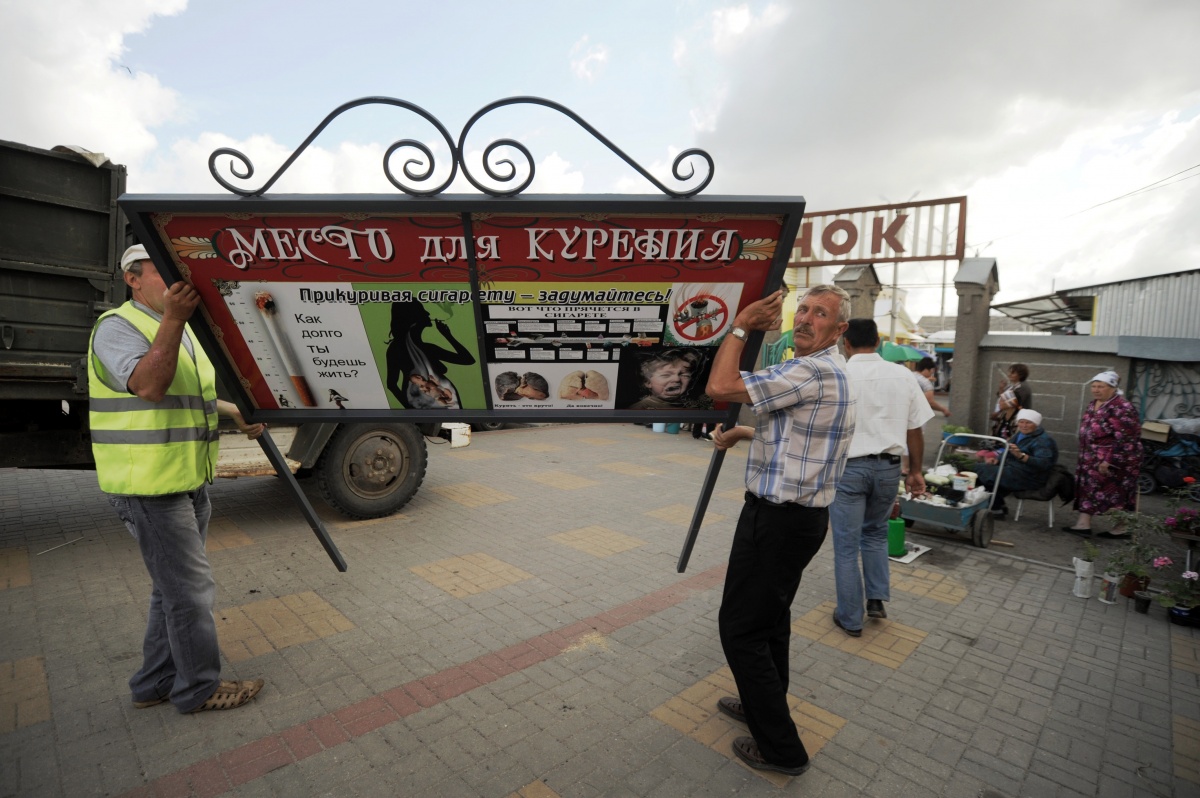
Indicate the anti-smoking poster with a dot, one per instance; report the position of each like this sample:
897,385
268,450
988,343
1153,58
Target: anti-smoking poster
386,312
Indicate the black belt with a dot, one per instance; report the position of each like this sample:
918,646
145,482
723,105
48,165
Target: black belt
754,499
894,459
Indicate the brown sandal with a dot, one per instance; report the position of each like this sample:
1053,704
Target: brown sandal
732,707
747,750
230,695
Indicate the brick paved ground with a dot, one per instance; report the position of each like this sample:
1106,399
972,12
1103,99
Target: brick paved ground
520,630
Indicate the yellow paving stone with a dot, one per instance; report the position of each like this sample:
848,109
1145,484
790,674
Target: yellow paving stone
885,642
1185,650
1186,748
685,459
261,627
14,568
224,533
597,541
736,495
598,441
681,514
693,712
537,789
539,447
557,479
470,574
473,494
472,454
669,714
630,469
24,693
336,521
340,524
923,582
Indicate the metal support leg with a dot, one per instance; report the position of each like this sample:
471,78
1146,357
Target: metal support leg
318,527
710,481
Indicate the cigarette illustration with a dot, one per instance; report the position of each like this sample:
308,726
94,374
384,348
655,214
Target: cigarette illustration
266,305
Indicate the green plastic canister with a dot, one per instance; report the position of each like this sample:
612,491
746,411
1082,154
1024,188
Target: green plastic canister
896,538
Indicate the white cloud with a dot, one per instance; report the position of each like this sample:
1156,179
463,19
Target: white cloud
1046,233
344,168
704,118
844,107
555,176
736,26
679,51
65,83
588,60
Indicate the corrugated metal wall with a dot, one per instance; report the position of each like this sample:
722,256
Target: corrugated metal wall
1166,306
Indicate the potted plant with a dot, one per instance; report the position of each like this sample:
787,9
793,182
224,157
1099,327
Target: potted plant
1181,596
1131,563
1085,567
1147,547
1133,559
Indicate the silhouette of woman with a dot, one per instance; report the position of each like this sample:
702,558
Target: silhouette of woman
409,356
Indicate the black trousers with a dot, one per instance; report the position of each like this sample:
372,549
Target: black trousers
772,545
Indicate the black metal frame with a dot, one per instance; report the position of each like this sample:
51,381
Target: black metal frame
421,170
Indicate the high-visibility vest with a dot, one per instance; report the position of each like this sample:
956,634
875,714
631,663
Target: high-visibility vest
147,448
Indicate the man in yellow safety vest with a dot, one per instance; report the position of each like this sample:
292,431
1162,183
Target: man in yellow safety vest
153,416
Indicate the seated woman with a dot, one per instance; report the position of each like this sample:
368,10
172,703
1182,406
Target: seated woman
1011,395
1031,457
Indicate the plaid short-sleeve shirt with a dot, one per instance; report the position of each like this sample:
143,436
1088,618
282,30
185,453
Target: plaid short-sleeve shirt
804,420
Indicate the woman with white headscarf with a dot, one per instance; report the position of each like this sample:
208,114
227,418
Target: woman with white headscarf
1110,454
1031,457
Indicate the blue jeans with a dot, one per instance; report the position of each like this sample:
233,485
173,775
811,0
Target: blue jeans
859,516
180,656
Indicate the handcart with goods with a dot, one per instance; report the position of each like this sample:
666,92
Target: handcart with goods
955,509
1170,455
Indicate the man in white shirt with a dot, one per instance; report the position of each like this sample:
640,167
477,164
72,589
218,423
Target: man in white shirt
890,412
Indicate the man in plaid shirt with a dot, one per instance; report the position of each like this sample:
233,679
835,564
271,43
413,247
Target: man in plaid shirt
804,421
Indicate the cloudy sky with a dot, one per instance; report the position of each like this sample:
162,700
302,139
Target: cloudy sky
1037,112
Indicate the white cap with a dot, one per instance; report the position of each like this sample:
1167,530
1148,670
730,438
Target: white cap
1108,377
133,255
1030,415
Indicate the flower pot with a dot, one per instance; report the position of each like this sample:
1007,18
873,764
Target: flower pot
1183,616
1108,589
1133,583
1141,601
1084,578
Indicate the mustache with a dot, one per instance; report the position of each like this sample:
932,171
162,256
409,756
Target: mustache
805,329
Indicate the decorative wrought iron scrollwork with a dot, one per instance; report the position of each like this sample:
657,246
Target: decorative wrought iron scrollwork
500,170
414,169
1166,390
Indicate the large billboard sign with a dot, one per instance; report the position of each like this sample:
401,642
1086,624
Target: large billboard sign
910,231
468,308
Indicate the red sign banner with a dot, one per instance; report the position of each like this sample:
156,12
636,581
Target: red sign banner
468,314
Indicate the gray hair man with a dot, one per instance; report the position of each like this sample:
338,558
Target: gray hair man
804,416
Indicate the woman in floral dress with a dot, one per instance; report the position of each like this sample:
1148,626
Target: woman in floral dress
1110,454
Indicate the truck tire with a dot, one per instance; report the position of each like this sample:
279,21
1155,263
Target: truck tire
371,470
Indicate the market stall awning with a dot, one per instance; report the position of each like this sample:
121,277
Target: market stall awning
1052,313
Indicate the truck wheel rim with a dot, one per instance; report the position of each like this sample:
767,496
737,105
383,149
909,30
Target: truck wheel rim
375,463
